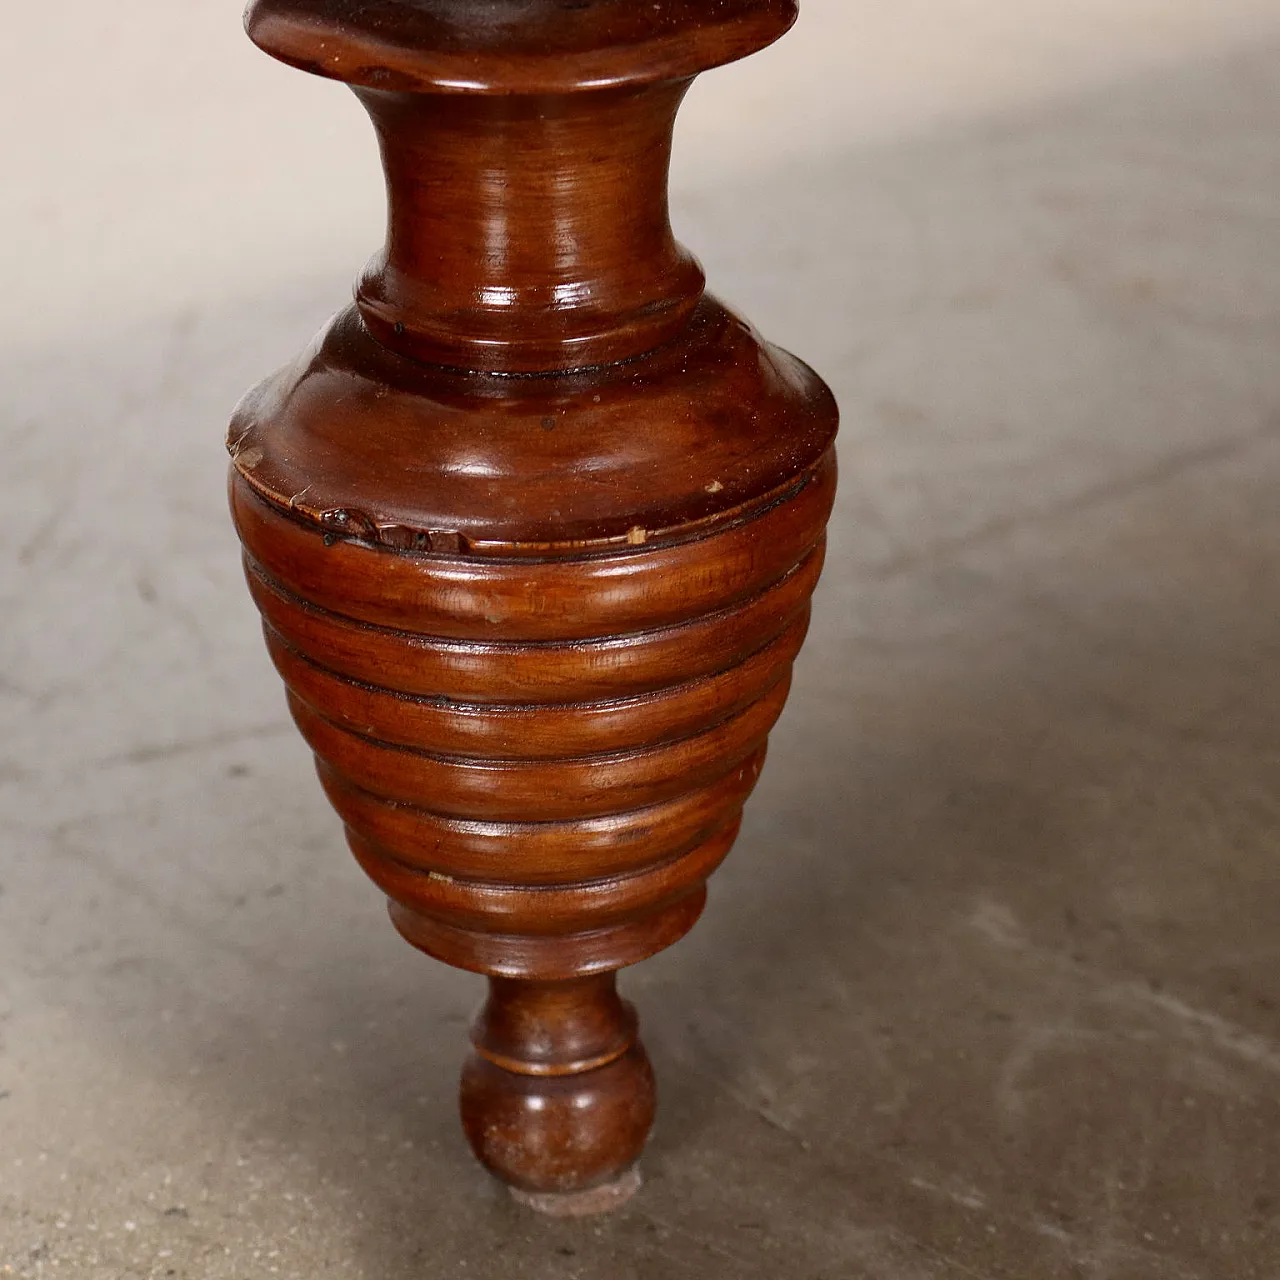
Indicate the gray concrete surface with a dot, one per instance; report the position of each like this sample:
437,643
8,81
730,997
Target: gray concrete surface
990,987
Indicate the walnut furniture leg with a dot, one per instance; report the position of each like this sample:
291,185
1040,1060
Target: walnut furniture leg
533,526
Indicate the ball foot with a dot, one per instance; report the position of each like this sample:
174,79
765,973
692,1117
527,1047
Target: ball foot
558,1097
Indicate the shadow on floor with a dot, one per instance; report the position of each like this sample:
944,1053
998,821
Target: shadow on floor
988,987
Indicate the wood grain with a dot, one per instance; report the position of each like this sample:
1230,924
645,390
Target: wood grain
533,528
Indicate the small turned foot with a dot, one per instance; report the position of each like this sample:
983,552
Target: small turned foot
558,1097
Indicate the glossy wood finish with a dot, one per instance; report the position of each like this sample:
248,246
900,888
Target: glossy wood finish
533,528
513,47
584,1096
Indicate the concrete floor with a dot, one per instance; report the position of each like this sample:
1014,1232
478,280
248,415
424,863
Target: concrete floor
991,986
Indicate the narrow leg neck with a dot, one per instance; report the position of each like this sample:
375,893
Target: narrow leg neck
528,233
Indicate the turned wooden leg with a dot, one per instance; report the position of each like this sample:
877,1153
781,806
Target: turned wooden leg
533,529
558,1095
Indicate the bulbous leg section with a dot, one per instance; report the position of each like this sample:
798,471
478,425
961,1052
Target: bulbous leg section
558,1096
540,760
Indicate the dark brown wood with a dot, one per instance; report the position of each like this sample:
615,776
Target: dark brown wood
533,528
558,1095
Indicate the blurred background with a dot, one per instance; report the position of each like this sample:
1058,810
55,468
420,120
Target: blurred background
990,986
